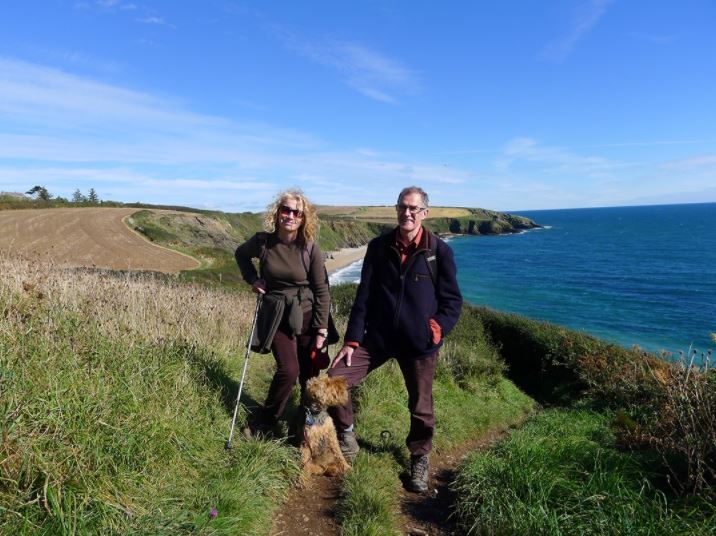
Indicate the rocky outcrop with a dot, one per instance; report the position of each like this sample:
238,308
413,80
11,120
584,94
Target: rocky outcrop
482,222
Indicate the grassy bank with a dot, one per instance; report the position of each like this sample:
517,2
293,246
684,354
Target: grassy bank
212,238
115,399
564,473
633,451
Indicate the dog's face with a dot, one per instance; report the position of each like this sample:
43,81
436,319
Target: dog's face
323,391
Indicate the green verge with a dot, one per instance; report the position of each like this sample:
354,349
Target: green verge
563,473
370,494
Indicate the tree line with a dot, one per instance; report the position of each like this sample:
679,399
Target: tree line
42,194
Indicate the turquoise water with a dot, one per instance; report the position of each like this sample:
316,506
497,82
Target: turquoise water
632,275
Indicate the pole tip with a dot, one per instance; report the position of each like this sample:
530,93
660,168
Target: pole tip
227,445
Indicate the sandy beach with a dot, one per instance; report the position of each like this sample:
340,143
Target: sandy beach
344,257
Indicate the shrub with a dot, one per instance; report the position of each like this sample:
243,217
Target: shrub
559,365
468,354
681,423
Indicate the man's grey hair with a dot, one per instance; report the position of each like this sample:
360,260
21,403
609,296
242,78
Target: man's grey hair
414,190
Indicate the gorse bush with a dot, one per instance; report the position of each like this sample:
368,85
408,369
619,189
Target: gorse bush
559,365
342,297
681,423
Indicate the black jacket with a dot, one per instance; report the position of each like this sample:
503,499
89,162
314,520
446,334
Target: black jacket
394,303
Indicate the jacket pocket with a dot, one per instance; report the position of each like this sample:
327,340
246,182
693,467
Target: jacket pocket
417,278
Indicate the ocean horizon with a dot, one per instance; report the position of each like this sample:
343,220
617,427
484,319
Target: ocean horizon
637,275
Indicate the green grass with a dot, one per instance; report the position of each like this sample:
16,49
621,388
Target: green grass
472,397
370,497
115,400
563,474
370,492
116,392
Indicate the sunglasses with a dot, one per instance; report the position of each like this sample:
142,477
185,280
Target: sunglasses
285,211
413,209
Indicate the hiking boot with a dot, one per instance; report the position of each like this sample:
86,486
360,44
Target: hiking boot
419,473
349,445
258,430
295,428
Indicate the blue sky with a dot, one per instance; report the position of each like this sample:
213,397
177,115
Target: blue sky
510,105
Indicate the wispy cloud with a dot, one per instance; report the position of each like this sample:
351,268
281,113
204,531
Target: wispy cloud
584,19
67,132
705,162
152,20
362,68
556,160
116,4
143,14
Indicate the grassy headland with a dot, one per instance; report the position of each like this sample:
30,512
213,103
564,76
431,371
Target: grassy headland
116,393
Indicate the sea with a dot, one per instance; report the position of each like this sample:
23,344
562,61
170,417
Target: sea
642,275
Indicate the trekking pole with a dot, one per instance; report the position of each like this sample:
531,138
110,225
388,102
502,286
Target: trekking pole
227,445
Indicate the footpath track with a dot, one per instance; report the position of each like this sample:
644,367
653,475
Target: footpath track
85,237
311,511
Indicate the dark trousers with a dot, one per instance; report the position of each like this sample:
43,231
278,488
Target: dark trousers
418,375
293,362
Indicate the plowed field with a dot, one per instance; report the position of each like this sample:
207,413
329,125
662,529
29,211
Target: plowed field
92,237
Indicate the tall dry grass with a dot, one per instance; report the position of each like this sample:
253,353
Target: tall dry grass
147,305
114,407
681,422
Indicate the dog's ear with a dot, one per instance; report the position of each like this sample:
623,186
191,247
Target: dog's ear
335,390
314,388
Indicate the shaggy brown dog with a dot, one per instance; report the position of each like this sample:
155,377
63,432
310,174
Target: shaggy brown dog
320,452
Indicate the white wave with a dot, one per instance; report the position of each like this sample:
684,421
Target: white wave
348,274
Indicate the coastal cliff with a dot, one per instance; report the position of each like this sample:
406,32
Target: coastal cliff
482,222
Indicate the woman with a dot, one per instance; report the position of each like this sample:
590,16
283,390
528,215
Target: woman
292,271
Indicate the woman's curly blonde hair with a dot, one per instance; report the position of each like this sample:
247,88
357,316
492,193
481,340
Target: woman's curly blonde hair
308,230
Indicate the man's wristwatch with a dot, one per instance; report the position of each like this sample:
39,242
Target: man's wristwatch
323,332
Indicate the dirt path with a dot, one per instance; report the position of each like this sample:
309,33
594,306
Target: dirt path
311,511
429,513
90,237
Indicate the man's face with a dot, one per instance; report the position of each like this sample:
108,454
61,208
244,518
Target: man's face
407,219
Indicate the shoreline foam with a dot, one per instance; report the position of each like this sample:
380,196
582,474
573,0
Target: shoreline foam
344,258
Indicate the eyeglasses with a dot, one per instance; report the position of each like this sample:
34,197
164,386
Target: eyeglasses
285,211
413,209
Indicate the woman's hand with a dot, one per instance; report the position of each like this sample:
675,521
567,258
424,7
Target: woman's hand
320,340
259,286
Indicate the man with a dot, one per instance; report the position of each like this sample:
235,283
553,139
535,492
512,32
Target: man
408,300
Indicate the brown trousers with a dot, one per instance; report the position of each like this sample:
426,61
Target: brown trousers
418,375
293,362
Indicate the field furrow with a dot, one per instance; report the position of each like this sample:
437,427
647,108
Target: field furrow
91,237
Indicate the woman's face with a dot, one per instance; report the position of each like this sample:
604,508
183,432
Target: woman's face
290,215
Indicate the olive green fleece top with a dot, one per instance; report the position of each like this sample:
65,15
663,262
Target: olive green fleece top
283,269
